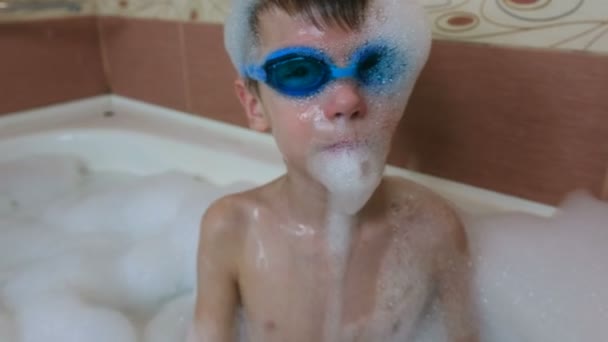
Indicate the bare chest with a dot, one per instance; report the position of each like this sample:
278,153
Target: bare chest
301,292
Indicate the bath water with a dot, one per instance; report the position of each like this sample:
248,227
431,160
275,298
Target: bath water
543,279
97,257
104,256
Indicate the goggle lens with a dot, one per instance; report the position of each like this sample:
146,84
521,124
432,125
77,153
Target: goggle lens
298,75
304,71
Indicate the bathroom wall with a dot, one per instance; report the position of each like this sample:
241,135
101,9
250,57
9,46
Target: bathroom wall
503,103
512,98
48,56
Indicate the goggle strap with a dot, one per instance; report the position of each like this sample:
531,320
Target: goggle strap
346,72
255,73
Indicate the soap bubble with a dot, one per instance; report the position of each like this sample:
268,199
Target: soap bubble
171,323
94,256
65,318
543,279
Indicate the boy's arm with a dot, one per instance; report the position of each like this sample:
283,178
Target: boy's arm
455,285
217,290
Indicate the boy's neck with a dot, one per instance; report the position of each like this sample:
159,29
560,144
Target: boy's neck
309,202
307,199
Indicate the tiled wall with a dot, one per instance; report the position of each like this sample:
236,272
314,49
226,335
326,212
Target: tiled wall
528,122
561,24
48,61
27,10
565,24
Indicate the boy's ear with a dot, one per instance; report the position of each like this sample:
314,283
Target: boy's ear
253,107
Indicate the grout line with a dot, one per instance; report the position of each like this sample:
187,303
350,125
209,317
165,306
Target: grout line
184,68
104,55
604,189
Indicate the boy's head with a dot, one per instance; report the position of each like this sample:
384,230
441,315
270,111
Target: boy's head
330,79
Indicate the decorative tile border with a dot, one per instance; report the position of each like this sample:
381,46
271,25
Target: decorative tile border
557,24
22,10
562,24
209,11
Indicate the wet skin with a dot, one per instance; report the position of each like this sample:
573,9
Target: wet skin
302,271
408,252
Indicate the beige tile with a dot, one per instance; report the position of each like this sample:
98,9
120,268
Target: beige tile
11,10
167,10
210,11
564,24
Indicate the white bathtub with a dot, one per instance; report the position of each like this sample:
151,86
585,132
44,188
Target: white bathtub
119,134
143,139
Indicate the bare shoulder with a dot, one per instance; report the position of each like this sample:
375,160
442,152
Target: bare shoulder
226,222
426,207
229,216
405,191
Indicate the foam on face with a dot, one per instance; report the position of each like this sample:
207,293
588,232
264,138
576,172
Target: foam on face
239,39
400,21
349,174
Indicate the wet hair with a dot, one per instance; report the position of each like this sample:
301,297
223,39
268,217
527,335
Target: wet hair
346,14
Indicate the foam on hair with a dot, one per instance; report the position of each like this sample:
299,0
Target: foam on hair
402,21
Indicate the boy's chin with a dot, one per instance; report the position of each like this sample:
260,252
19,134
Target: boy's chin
350,176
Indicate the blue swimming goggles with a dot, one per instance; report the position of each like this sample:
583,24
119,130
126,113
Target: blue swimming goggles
303,71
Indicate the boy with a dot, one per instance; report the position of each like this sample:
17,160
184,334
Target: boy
332,250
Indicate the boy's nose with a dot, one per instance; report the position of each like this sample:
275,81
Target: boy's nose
346,102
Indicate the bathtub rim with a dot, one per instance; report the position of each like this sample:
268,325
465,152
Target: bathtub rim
154,120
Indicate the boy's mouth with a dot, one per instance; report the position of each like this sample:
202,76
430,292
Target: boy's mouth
343,145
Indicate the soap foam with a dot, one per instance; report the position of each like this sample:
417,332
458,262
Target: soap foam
171,323
239,40
543,279
400,21
350,176
62,317
97,257
538,279
7,327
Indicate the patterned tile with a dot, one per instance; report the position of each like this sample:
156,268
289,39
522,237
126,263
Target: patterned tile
557,24
20,10
158,9
562,24
213,11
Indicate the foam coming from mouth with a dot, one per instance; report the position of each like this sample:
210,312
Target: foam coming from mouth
350,173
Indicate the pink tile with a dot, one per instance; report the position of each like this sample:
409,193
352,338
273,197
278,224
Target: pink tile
530,123
49,61
144,58
210,74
